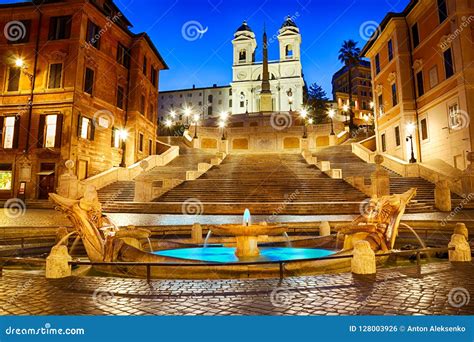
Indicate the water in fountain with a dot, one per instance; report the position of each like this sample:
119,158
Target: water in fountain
149,244
206,240
422,243
247,219
288,241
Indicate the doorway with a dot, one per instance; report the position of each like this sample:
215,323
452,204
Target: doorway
46,182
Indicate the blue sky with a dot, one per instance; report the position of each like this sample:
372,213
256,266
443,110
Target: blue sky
324,25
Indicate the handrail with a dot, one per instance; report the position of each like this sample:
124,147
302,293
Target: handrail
8,261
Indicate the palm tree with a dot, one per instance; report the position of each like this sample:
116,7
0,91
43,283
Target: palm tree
349,55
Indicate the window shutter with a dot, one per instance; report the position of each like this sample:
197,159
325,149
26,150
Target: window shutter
92,127
52,29
59,130
16,136
79,125
112,139
1,130
42,120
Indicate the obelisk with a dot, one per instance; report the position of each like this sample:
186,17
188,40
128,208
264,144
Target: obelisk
266,103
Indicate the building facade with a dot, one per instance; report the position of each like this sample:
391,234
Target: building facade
361,89
91,89
422,75
243,94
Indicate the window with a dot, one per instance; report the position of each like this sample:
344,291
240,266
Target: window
6,177
394,95
448,63
55,76
145,65
93,35
390,50
154,78
140,142
10,131
230,103
14,79
123,56
89,81
289,51
433,76
49,131
424,129
377,63
419,83
209,110
242,56
442,10
415,36
115,138
384,145
210,98
142,104
85,128
150,147
120,97
60,27
397,136
455,118
380,100
24,35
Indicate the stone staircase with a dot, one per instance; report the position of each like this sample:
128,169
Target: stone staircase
341,157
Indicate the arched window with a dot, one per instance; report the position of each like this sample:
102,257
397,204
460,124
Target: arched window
243,55
289,51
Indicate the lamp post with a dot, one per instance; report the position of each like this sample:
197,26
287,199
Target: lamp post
123,135
168,124
20,63
366,119
411,130
222,123
187,113
304,115
331,114
196,120
345,109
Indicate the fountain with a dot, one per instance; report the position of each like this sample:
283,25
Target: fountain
105,242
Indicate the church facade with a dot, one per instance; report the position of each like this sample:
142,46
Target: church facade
244,93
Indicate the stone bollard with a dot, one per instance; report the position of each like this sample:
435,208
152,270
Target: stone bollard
460,228
324,229
442,196
196,233
363,258
57,263
462,252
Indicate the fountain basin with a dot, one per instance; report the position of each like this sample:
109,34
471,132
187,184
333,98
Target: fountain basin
228,254
247,236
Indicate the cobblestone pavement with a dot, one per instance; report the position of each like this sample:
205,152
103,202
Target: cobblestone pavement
438,289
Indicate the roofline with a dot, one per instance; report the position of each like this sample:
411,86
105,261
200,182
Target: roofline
340,71
384,24
125,29
189,89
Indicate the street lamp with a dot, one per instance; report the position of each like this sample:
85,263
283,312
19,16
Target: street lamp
196,120
410,131
366,119
123,135
187,113
331,114
345,109
304,115
222,126
168,124
20,63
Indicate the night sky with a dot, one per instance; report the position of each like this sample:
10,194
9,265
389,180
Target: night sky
324,24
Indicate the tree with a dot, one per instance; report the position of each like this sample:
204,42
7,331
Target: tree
317,102
349,55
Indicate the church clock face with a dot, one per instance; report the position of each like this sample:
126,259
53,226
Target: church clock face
241,75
